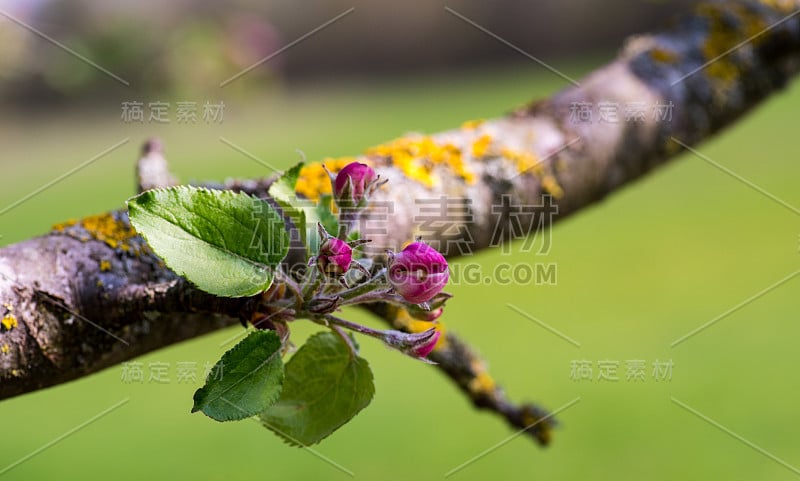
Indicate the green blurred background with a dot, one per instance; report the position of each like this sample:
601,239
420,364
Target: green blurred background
635,273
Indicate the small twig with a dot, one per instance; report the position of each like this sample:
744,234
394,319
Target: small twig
364,287
292,286
367,331
311,284
152,171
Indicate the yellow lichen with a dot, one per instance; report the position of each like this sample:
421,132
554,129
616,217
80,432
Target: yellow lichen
482,383
671,147
313,182
472,124
729,26
663,55
782,5
5,349
481,146
62,226
105,227
723,70
419,156
524,161
544,427
9,322
550,184
105,265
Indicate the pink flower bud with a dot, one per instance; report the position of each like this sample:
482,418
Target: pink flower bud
424,349
417,345
353,184
334,256
418,272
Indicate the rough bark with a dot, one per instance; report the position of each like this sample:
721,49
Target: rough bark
91,294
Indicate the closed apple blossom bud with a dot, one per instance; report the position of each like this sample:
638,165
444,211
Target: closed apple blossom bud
353,184
334,257
417,345
418,273
424,349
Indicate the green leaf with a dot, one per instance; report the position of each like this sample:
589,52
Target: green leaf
228,244
246,381
283,191
326,385
283,188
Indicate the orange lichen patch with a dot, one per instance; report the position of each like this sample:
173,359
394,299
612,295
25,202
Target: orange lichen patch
105,266
5,349
63,226
729,26
671,147
524,161
404,320
419,156
723,70
482,383
481,146
782,5
550,184
109,228
663,55
313,182
472,124
9,322
544,426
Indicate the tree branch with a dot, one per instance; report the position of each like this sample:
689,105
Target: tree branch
90,293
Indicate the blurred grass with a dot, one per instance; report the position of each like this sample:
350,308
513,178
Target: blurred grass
634,273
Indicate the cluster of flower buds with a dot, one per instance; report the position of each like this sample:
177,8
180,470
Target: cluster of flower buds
413,278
